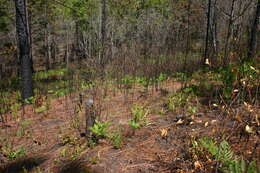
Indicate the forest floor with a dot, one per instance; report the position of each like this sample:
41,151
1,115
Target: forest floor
50,141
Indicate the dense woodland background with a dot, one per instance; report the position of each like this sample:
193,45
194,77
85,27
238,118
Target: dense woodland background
170,32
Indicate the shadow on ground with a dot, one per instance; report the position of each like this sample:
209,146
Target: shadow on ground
22,165
73,166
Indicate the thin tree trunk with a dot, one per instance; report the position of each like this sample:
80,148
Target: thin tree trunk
49,47
207,34
226,60
102,32
67,47
47,62
112,42
77,44
1,71
29,21
24,48
187,51
146,31
47,39
214,33
253,35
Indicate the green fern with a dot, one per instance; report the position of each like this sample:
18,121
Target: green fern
210,145
240,166
224,154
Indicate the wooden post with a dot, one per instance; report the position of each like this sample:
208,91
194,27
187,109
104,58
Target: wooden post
90,116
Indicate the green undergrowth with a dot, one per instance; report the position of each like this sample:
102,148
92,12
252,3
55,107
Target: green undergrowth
51,74
142,80
234,83
12,153
52,83
182,99
223,153
101,130
139,116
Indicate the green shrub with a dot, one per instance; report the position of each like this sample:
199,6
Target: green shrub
116,139
100,129
13,154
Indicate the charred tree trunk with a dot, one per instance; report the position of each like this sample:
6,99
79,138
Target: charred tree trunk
29,21
77,49
102,32
253,35
24,48
1,71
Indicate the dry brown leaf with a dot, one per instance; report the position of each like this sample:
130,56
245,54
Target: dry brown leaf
197,165
180,121
164,132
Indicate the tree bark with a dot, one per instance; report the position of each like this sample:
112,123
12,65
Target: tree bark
78,51
24,48
253,35
47,39
67,57
29,21
103,32
214,33
229,34
1,71
207,34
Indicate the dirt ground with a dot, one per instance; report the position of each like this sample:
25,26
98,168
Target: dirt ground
145,150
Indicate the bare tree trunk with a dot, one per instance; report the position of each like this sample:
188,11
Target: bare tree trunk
47,62
77,44
207,34
1,71
24,48
187,51
47,39
29,21
112,42
214,33
253,35
102,32
230,24
145,53
67,47
49,47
